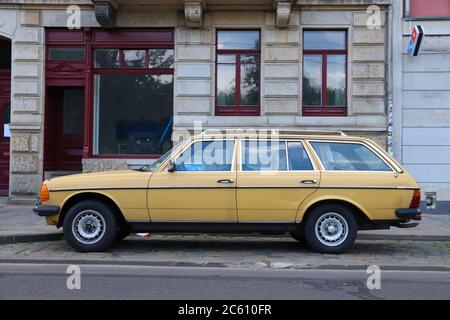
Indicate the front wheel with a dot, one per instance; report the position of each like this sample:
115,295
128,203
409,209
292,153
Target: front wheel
330,228
90,226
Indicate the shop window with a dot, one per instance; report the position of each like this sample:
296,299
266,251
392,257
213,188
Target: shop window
65,54
133,101
324,73
238,72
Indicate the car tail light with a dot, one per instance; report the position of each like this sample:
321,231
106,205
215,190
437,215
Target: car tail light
44,195
415,201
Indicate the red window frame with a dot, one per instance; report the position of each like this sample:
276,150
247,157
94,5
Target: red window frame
81,72
237,108
323,109
122,42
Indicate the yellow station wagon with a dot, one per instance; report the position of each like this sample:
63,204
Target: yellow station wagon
321,187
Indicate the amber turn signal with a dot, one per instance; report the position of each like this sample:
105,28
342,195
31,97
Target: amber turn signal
44,195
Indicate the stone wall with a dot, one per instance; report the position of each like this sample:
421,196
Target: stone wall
425,132
281,70
24,29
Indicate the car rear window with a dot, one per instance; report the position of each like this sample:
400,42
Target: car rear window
341,156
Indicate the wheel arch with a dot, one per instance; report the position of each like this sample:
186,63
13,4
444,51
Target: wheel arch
90,195
360,214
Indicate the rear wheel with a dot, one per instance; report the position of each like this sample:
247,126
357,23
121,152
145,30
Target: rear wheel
90,226
330,228
122,233
298,235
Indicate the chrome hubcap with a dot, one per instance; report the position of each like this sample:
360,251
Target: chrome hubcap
331,229
88,226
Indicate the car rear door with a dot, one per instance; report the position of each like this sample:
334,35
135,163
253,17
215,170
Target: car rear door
274,177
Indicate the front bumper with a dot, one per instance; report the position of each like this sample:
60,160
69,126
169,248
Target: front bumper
46,210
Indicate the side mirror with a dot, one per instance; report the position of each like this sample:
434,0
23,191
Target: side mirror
171,167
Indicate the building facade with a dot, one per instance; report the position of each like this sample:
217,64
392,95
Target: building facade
422,123
129,79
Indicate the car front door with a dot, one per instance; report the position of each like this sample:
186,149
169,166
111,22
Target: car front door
200,189
274,177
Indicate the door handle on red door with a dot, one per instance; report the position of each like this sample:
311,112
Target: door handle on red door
225,181
308,181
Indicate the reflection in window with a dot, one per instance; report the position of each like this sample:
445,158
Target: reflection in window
216,155
106,58
249,80
226,81
312,80
324,72
336,80
298,158
348,157
261,155
134,58
238,71
132,113
247,40
68,54
324,40
161,58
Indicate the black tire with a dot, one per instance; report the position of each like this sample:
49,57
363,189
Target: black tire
88,219
342,226
298,235
122,233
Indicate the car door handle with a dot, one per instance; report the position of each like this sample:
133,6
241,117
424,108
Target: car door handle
225,181
308,181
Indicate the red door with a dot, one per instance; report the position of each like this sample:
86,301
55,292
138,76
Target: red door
64,119
5,110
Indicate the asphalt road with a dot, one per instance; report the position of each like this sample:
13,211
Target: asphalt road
49,281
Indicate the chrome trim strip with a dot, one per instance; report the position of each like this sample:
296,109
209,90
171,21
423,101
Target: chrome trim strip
238,187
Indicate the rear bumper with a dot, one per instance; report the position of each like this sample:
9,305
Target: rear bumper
46,210
414,214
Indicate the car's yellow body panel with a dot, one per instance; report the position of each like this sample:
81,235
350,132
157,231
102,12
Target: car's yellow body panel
163,196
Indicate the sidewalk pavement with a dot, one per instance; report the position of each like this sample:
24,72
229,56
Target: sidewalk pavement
19,224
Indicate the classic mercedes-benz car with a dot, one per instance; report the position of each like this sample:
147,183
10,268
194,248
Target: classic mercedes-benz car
321,187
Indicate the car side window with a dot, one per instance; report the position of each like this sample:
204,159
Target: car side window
339,156
207,155
298,157
264,155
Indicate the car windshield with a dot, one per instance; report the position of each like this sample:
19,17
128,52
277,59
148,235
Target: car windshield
155,165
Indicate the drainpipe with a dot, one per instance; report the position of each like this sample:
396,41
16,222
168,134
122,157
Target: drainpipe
407,8
390,122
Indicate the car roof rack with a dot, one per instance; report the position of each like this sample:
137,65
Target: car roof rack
275,131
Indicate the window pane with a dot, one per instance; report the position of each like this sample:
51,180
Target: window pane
132,114
298,158
134,58
214,155
249,84
312,80
161,58
348,157
336,80
238,40
226,58
263,155
72,54
226,84
324,40
106,58
73,111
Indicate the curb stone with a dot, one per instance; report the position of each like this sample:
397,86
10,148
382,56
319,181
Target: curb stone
334,267
26,238
55,236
